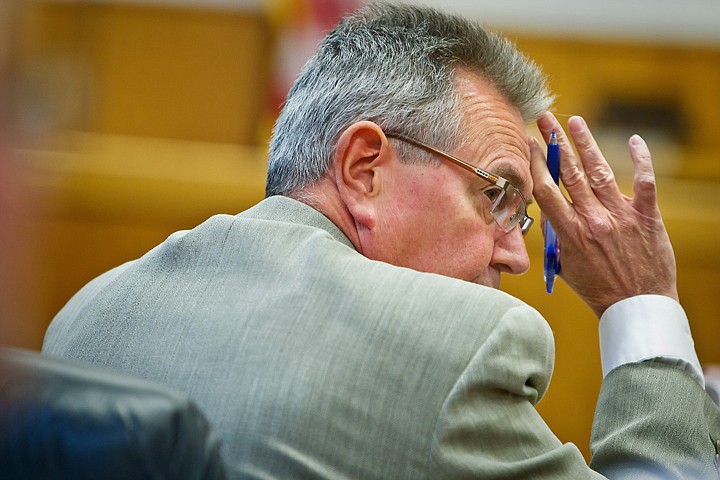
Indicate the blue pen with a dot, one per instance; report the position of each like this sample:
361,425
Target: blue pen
552,247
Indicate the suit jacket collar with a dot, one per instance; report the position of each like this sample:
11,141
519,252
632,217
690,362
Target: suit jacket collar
286,209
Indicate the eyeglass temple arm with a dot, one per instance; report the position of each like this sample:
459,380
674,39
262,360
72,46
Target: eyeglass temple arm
499,181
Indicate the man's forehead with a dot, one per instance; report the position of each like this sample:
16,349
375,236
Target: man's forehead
494,133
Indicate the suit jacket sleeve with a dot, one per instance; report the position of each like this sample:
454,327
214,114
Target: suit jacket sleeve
488,427
652,421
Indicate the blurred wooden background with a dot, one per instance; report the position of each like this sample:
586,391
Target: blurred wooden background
137,121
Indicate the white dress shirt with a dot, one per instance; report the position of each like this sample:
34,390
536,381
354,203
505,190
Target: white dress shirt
648,328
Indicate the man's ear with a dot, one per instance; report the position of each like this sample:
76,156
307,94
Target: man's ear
361,154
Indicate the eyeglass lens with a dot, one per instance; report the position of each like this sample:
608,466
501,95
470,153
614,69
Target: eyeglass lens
507,209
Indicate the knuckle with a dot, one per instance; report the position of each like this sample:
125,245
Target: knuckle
644,159
602,225
599,226
643,156
601,177
585,147
646,182
573,176
543,189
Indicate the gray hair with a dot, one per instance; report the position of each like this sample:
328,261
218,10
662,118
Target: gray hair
394,65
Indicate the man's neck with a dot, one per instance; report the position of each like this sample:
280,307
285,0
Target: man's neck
324,197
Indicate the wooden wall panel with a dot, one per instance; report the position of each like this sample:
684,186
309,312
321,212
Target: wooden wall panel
585,75
173,73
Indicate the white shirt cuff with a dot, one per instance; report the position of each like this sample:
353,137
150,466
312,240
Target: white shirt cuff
648,327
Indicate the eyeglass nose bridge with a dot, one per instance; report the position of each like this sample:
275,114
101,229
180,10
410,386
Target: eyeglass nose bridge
526,224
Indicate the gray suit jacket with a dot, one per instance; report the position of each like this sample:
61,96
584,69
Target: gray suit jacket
312,361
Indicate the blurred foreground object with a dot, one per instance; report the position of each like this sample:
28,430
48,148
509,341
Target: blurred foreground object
61,419
14,310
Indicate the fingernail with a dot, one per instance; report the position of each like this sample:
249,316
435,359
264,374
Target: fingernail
637,140
545,118
576,124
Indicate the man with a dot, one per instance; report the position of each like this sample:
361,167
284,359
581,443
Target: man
350,326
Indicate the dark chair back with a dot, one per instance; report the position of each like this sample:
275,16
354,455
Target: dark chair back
66,420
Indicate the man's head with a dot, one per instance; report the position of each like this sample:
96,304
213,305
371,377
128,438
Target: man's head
436,78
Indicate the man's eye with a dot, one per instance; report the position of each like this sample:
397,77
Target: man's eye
492,193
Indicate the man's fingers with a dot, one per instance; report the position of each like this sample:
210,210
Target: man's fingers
644,186
586,174
599,175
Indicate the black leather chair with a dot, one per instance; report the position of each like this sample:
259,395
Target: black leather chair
66,420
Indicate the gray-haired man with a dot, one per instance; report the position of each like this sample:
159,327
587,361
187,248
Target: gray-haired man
350,326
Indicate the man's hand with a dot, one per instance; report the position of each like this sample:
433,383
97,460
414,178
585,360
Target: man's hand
611,246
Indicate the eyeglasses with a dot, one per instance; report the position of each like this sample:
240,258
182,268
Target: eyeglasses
508,206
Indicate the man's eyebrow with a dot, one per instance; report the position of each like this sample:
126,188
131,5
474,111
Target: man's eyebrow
511,175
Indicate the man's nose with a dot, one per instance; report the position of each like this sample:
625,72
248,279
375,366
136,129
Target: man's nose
510,254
